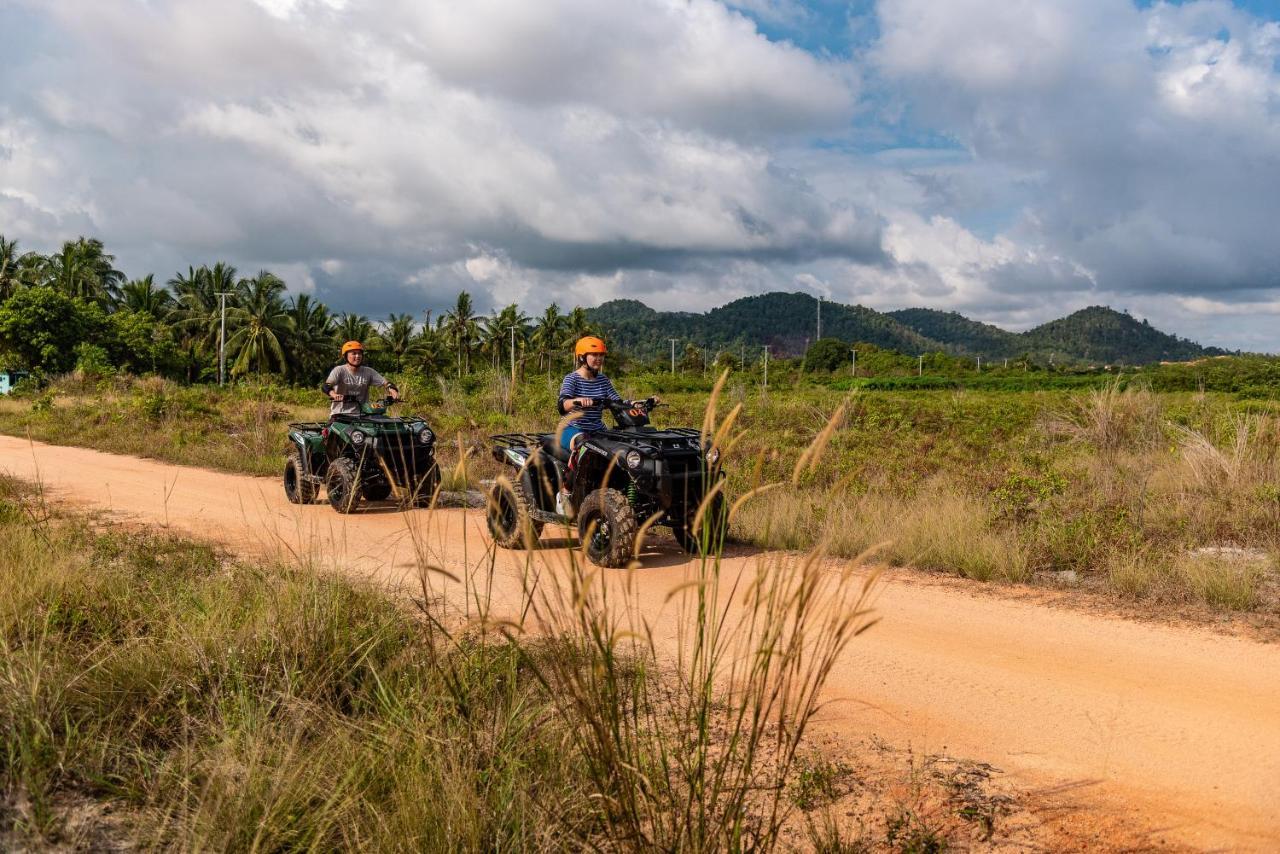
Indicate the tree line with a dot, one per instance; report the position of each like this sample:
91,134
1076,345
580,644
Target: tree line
74,308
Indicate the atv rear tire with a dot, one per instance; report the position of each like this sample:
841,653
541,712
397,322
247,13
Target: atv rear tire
711,528
510,521
343,485
297,488
375,491
607,528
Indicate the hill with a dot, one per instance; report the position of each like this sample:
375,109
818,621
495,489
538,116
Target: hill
788,322
1101,334
960,333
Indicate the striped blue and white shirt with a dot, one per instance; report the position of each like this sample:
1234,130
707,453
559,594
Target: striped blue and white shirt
599,388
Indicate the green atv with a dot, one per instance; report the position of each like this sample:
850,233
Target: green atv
371,456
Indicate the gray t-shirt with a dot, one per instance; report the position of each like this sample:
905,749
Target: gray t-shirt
357,382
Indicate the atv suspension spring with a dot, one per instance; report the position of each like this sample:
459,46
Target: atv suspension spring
632,493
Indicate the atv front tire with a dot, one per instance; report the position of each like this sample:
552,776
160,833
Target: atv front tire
297,488
343,485
607,528
510,521
708,536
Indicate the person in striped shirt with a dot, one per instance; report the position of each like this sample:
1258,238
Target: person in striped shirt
584,387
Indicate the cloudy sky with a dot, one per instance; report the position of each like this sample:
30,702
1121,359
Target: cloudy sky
1009,159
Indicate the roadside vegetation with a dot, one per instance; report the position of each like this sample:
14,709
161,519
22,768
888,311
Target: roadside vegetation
157,694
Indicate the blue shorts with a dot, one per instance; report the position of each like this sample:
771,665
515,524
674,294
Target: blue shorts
567,434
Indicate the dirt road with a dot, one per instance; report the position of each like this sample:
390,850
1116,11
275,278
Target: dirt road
1177,726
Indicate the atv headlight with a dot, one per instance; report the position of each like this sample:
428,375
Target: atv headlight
713,456
357,438
634,459
425,436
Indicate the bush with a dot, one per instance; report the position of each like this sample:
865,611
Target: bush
92,362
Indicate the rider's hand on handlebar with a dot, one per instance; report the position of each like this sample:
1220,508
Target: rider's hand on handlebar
582,402
393,394
336,395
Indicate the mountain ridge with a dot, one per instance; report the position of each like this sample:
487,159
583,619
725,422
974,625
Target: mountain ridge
787,323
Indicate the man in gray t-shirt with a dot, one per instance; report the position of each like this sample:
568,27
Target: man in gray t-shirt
348,384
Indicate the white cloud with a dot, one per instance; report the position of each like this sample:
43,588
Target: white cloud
1149,139
390,153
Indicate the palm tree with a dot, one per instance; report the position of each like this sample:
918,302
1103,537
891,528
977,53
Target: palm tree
355,327
548,336
397,339
199,311
262,325
142,295
430,353
194,313
311,345
461,330
83,269
577,324
9,280
496,333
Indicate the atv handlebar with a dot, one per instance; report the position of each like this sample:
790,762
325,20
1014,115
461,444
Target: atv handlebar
382,403
648,405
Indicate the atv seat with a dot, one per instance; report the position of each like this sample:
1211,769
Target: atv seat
551,447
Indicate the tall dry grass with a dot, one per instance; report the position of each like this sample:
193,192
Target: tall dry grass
939,528
1114,493
688,712
1111,418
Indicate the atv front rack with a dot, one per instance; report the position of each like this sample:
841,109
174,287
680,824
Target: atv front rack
516,441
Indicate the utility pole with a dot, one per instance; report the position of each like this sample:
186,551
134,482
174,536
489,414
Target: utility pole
766,367
819,335
979,364
920,367
513,358
673,355
853,356
222,337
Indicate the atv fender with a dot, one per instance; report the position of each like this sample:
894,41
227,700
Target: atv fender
512,456
311,453
540,480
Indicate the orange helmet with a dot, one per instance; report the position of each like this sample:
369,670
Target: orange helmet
589,344
351,345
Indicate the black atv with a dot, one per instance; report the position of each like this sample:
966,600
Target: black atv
622,478
371,456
